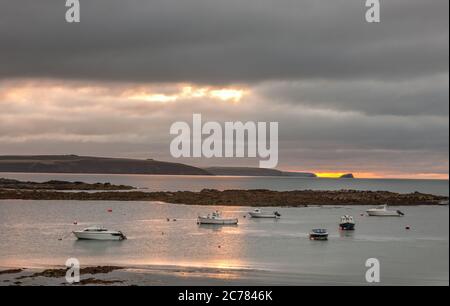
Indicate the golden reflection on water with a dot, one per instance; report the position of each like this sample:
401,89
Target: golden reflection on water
212,249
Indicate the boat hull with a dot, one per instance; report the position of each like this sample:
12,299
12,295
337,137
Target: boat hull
99,236
202,220
383,213
318,234
263,216
318,237
347,226
443,203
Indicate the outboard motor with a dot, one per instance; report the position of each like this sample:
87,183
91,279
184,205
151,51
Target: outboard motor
277,214
400,213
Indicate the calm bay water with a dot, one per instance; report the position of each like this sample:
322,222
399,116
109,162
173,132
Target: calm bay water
197,183
29,233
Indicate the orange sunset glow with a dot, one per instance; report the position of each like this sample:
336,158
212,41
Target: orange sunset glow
384,175
329,174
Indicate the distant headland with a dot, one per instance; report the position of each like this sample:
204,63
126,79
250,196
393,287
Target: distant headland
93,165
108,165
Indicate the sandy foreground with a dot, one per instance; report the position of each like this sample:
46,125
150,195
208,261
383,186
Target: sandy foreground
144,276
180,276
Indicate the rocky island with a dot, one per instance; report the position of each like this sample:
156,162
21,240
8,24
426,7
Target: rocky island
258,197
58,185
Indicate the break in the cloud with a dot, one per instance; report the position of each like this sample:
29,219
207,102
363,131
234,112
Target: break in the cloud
349,96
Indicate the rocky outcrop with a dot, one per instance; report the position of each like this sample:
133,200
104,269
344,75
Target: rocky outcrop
59,185
259,198
56,273
347,176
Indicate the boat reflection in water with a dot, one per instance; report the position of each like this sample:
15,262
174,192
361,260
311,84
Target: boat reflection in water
215,228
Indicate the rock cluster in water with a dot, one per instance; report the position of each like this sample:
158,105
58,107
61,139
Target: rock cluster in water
257,197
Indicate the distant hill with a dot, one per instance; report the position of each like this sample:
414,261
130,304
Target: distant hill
243,171
249,171
107,165
300,174
99,165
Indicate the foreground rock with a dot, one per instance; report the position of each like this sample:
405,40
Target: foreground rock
95,281
56,273
11,271
259,198
59,185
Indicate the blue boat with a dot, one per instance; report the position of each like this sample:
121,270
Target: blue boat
347,223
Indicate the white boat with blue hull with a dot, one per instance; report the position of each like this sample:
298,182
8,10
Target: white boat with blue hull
347,223
258,213
99,233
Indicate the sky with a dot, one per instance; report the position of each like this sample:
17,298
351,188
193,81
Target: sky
349,96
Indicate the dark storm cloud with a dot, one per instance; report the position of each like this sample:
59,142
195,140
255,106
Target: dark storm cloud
406,97
233,41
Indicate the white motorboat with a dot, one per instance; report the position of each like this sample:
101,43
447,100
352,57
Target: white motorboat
216,218
318,234
443,203
383,211
258,213
98,233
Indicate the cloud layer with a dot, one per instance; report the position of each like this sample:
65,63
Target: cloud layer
206,41
349,96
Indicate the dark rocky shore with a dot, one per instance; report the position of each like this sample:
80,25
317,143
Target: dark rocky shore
19,276
259,198
59,185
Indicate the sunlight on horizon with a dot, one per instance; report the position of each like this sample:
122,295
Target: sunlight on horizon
329,174
190,92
